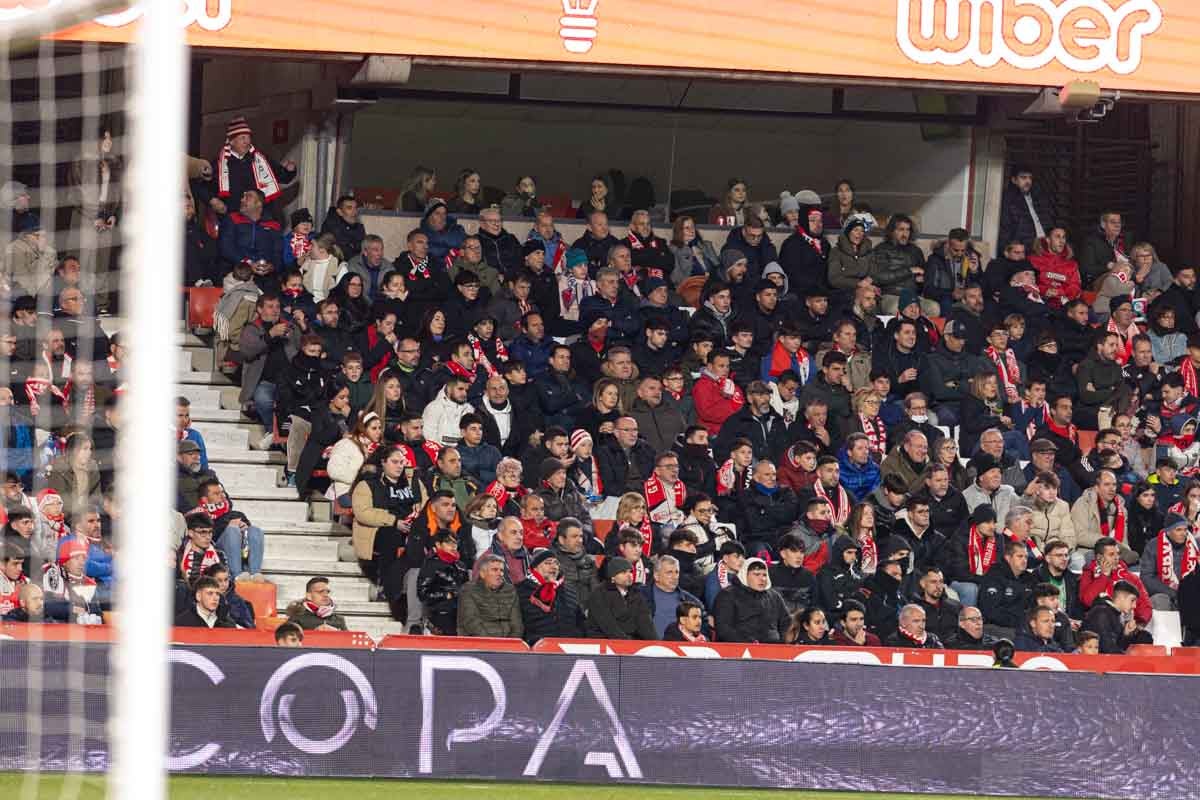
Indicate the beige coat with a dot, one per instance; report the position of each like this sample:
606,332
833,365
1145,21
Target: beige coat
368,518
1085,516
1051,522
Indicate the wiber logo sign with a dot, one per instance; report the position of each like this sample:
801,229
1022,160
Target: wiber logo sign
1081,35
195,12
577,25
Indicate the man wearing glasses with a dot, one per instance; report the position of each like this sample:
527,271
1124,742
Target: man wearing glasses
501,250
625,460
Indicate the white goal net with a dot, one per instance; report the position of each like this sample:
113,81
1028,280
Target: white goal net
91,194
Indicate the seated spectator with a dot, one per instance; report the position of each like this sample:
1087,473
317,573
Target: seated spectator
204,612
1018,527
489,605
549,608
909,461
926,544
693,254
731,558
808,627
560,497
251,236
576,565
899,359
241,541
750,610
1058,271
798,466
941,613
347,457
789,577
1006,589
768,510
970,634
233,606
750,241
657,414
947,506
852,630
972,553
559,397
618,610
625,460
688,625
440,582
1100,382
897,263
537,531
508,544
717,396
1167,559
1100,512
1113,619
29,258
911,632
1051,517
881,594
951,265
663,596
886,502
989,488
757,423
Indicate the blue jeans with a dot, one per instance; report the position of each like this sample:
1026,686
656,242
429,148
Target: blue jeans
968,593
230,543
264,403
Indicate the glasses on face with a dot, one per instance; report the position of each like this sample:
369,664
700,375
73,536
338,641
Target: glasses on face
973,620
628,430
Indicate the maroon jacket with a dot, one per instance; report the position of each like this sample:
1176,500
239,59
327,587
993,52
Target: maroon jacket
839,638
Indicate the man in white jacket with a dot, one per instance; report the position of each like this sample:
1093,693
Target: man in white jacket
443,412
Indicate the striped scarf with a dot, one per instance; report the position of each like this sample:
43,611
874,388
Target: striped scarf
876,434
840,509
1007,370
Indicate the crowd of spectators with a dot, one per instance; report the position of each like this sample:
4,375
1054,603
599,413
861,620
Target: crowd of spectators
845,443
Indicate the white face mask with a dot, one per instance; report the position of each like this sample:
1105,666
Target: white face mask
920,419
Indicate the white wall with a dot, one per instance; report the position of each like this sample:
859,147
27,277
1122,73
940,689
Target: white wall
893,167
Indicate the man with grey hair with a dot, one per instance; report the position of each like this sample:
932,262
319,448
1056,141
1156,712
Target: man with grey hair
912,633
909,461
664,595
370,265
576,566
500,248
1018,526
970,635
991,442
651,255
614,300
509,546
488,605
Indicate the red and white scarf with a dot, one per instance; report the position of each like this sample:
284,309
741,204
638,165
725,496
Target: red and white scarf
1125,351
321,612
1034,550
841,509
1068,431
727,479
1115,529
547,590
868,553
724,575
299,245
589,482
260,168
980,555
461,371
660,505
214,510
876,434
206,558
36,389
503,494
89,399
1164,548
1031,428
481,357
639,572
647,537
1191,386
1008,371
10,593
417,270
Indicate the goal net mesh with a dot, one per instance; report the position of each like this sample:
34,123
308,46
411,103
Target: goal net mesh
91,201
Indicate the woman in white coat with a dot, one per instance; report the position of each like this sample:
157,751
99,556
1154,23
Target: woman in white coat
352,451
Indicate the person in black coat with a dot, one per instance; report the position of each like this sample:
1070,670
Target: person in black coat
1111,618
1054,571
839,580
560,397
549,607
1181,298
804,255
795,584
1016,216
767,510
1036,633
912,631
330,422
625,460
200,257
619,611
757,423
207,594
880,594
440,582
750,610
342,221
1007,589
941,613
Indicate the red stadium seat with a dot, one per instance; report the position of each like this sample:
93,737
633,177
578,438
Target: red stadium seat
1146,650
1087,440
690,290
938,322
559,205
202,304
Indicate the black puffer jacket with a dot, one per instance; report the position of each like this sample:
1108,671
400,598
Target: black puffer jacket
438,586
795,585
838,582
744,615
767,516
561,618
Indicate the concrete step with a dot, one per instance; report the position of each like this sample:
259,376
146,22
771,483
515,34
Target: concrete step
284,548
227,456
345,589
203,379
218,415
281,566
365,608
200,359
202,396
227,435
272,493
375,627
248,477
307,529
185,361
260,511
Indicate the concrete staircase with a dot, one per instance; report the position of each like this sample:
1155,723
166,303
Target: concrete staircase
301,538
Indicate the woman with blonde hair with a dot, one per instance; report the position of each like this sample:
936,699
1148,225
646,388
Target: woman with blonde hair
418,189
600,416
387,403
324,266
1151,276
866,420
632,513
982,408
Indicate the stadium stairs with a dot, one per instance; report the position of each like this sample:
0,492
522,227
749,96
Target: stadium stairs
302,539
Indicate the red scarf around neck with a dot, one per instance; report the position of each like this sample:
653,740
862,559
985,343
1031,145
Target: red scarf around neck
1164,548
876,434
1008,371
656,494
547,590
322,612
1115,529
980,555
502,494
840,509
1029,543
1190,385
